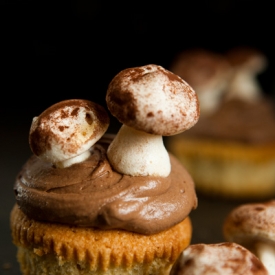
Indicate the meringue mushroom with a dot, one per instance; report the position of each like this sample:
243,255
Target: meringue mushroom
207,72
150,102
64,133
247,63
253,226
215,259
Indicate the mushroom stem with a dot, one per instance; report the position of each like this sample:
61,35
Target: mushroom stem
68,162
210,100
136,153
244,85
266,253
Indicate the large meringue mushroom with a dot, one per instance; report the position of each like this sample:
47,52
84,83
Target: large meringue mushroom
150,102
253,226
64,133
218,259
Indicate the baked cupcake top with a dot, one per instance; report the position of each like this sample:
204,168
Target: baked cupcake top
75,176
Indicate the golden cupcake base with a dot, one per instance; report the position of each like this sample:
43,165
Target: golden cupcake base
227,169
47,248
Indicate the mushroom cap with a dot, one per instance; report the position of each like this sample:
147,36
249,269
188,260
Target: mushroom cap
251,222
67,129
248,59
153,100
221,258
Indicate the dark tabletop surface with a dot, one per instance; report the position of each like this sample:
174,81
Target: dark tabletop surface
55,51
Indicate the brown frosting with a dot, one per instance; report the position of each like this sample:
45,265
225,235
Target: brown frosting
240,121
91,193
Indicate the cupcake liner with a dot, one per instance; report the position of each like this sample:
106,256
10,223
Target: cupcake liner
95,249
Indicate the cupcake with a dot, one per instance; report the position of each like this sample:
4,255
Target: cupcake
225,258
252,225
91,202
230,152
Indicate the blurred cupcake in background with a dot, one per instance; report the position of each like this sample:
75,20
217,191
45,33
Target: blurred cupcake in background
231,151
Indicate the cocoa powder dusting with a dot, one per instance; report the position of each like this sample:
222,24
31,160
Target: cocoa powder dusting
256,267
220,258
135,74
172,77
259,208
122,104
40,140
64,114
75,112
153,100
41,137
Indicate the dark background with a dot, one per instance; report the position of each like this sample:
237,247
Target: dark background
55,50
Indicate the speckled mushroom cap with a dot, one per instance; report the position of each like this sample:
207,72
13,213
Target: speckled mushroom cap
153,100
251,222
218,259
67,129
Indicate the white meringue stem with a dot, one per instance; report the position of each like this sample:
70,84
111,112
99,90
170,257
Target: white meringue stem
266,253
137,153
71,161
244,86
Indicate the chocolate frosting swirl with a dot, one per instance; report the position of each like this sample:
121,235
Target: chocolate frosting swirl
92,194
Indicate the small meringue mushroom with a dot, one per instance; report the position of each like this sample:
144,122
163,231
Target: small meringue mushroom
226,258
247,63
207,72
252,225
150,102
64,133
